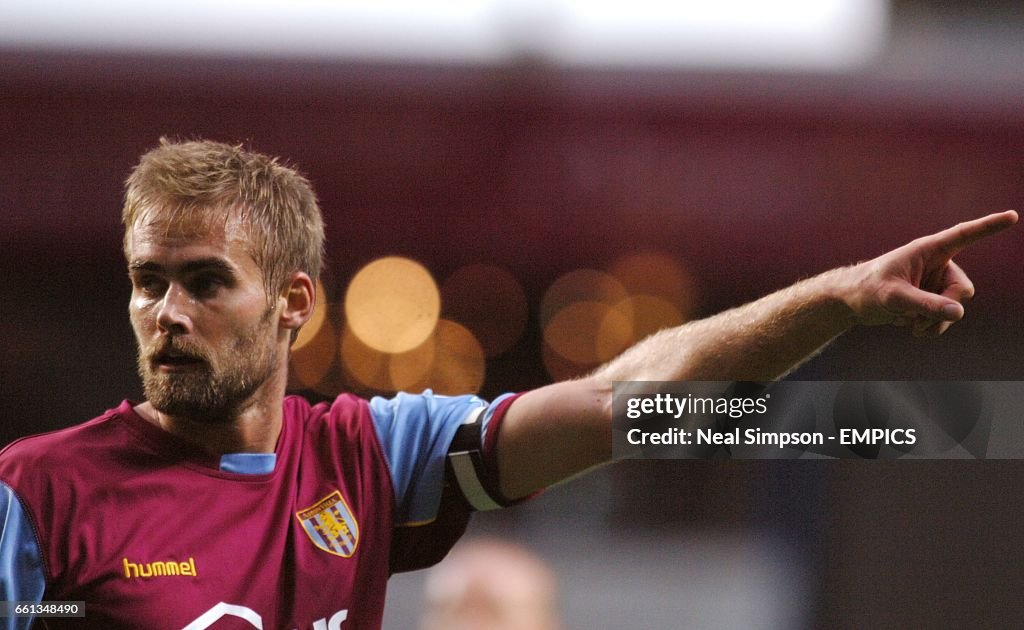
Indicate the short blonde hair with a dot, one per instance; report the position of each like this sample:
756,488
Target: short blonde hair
214,181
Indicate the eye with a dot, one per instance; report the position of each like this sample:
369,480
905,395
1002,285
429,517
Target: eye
149,285
205,285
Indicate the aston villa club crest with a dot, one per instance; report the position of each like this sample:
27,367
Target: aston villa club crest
330,525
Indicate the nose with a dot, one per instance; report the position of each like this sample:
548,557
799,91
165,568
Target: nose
173,316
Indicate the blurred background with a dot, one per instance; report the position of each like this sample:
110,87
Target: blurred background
515,191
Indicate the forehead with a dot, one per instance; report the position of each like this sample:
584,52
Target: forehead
187,234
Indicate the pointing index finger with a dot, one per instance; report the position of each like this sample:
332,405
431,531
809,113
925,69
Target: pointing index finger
951,240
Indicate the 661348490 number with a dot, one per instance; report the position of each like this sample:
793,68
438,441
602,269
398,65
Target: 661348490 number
42,609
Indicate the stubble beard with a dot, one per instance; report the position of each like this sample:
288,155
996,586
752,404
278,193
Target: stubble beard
208,393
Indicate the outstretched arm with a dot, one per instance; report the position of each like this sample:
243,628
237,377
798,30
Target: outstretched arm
557,431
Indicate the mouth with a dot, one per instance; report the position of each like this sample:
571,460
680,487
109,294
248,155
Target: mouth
175,362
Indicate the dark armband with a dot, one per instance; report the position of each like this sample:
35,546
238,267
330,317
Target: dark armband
466,466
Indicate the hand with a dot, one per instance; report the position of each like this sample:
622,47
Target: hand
919,284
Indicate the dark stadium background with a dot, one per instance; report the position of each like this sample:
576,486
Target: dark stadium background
753,180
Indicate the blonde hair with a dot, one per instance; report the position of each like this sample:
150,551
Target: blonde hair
213,181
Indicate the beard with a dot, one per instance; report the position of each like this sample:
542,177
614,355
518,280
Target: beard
215,388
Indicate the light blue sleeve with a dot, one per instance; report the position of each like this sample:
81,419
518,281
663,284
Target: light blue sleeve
21,564
415,431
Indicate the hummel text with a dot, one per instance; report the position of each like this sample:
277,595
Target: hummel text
148,570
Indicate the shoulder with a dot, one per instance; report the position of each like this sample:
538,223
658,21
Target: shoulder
350,413
57,448
425,408
344,410
342,425
350,408
47,471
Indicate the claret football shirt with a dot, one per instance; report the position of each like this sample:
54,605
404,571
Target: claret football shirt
151,532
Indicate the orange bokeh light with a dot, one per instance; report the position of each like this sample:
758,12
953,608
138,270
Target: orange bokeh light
560,368
660,275
392,304
409,370
311,361
450,361
459,364
316,320
588,333
581,285
366,366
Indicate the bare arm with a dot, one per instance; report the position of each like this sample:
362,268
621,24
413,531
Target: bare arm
557,431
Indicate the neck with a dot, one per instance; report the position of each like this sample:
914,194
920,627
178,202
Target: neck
253,427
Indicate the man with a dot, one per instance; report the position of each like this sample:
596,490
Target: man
220,502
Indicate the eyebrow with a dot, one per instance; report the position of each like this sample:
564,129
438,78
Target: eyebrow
192,266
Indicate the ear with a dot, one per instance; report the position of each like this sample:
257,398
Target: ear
299,298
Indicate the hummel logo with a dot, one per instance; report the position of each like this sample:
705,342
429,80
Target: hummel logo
147,570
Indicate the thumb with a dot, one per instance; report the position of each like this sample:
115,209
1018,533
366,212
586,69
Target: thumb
914,302
952,312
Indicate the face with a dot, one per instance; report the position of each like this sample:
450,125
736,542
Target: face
490,588
206,333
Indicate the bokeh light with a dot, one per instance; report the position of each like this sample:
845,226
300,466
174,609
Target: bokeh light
490,302
581,285
588,332
311,361
395,338
589,317
660,275
392,304
365,365
411,370
581,325
560,368
450,361
316,320
459,365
